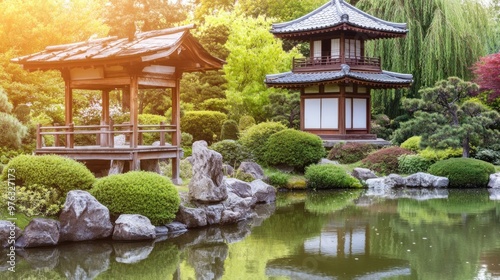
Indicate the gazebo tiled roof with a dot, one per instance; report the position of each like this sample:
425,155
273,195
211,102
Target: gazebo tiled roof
336,14
382,80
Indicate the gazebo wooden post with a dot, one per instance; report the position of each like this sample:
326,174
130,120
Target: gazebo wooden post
134,115
104,118
176,137
68,107
342,128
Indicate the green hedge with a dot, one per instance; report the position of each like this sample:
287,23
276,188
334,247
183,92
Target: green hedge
412,144
139,192
329,176
464,172
203,125
294,148
51,171
229,130
255,137
233,153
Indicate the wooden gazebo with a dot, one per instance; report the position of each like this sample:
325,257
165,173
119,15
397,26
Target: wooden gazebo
336,79
149,60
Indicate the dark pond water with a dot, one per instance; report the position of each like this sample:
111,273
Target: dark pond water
417,234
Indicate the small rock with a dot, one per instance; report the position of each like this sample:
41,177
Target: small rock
363,174
161,230
263,192
239,187
253,169
39,232
327,161
133,227
192,217
175,227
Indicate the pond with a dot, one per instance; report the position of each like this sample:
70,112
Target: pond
418,234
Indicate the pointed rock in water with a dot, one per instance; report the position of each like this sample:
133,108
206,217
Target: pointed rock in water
39,232
133,227
207,184
494,181
84,218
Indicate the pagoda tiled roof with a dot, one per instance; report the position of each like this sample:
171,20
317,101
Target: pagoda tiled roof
336,13
384,79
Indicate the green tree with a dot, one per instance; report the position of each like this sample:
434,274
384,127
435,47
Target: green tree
284,107
445,39
12,129
445,118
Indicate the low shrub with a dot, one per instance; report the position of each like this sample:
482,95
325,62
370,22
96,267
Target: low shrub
254,138
351,152
329,176
139,192
232,152
294,148
229,130
278,179
384,161
463,172
411,164
488,155
203,125
39,200
412,144
435,155
51,171
245,123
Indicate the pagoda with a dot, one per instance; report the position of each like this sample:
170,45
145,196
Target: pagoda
336,79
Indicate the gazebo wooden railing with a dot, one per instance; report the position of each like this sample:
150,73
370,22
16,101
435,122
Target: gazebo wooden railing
325,61
104,133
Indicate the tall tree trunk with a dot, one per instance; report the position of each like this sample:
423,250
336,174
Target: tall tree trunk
466,147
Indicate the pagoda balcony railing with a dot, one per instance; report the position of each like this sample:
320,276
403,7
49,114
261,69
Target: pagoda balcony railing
63,135
334,62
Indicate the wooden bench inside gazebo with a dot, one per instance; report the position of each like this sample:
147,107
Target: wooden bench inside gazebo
150,60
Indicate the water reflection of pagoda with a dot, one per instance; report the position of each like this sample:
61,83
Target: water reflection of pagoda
336,79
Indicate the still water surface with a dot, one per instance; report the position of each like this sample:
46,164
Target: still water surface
451,234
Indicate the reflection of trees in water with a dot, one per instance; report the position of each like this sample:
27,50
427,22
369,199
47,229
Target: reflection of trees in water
329,202
442,239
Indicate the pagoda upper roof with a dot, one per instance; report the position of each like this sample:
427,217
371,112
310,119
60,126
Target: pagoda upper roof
384,79
162,47
338,15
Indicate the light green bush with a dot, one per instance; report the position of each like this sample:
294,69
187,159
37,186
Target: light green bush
412,144
278,179
410,164
233,153
38,200
329,176
294,148
435,155
139,192
203,125
229,130
245,123
254,138
464,172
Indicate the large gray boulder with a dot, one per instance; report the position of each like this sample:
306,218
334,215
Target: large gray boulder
264,193
192,217
207,184
39,232
363,174
494,181
237,208
9,232
425,180
252,168
133,227
214,213
388,182
84,218
239,187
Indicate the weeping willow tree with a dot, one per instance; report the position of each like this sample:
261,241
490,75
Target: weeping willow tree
445,38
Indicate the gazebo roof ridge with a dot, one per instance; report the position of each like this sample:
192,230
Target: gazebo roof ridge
334,14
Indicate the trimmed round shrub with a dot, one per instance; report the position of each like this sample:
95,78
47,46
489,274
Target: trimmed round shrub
50,171
294,148
232,152
254,138
139,192
351,152
412,144
229,130
410,164
245,123
464,172
384,161
203,125
278,179
329,176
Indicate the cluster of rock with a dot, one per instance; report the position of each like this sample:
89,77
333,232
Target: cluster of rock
214,199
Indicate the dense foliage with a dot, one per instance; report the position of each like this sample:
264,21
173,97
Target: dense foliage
254,138
329,176
203,125
410,164
384,161
490,154
294,148
435,155
139,192
232,152
350,152
229,130
487,71
464,172
412,144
